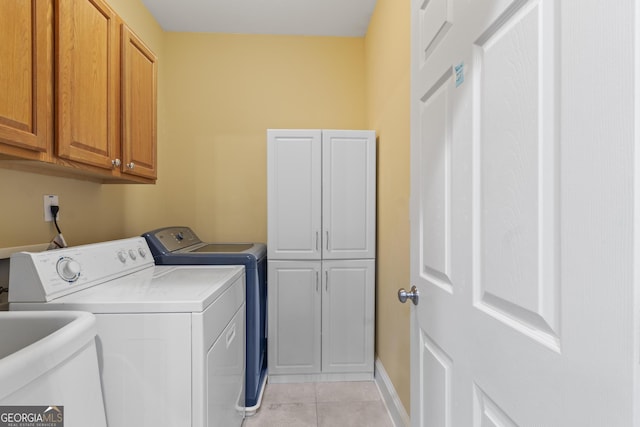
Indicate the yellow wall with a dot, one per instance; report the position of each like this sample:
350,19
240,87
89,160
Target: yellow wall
88,211
225,90
387,46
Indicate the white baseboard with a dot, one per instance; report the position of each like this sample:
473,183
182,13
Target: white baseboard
391,399
318,378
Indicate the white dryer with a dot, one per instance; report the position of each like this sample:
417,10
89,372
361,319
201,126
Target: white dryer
170,338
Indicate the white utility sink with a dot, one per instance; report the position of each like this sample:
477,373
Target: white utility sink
49,358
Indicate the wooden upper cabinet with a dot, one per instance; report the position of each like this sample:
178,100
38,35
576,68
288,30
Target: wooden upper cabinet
25,78
87,82
74,66
138,81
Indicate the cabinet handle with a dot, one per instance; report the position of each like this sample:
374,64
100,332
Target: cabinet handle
327,240
317,238
317,280
131,165
115,163
326,281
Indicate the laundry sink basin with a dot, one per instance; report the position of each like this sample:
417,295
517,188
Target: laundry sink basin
49,358
25,334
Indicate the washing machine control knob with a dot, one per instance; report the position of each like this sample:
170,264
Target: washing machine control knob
68,269
122,257
142,252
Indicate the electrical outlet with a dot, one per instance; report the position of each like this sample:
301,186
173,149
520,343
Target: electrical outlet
50,200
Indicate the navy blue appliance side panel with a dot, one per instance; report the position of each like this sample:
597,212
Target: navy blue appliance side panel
256,303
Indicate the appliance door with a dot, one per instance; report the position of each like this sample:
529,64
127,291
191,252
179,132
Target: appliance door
225,375
145,361
219,360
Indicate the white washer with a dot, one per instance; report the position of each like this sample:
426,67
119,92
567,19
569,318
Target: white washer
170,338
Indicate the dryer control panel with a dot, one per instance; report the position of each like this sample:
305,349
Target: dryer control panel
175,238
44,276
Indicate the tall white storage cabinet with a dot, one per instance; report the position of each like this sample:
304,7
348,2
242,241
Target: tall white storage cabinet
321,251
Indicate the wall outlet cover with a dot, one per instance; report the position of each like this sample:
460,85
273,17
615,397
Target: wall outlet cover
50,200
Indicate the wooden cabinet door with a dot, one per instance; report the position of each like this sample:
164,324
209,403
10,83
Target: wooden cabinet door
294,317
348,315
294,194
87,82
348,194
25,78
139,71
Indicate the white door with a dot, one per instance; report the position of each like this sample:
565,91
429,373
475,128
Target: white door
347,315
294,187
295,301
348,194
522,213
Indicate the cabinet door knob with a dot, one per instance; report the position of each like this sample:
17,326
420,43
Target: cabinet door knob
413,295
131,165
116,162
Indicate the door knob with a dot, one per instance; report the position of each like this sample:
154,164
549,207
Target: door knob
413,295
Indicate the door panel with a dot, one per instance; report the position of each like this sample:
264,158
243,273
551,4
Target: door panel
348,194
436,392
435,183
294,317
139,70
435,20
294,186
87,75
347,315
26,83
516,211
486,413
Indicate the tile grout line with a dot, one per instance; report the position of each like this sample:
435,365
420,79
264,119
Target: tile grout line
315,392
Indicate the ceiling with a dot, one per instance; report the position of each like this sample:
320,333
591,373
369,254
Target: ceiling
347,18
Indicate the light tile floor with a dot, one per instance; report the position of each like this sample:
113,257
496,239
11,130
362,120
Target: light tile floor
332,404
